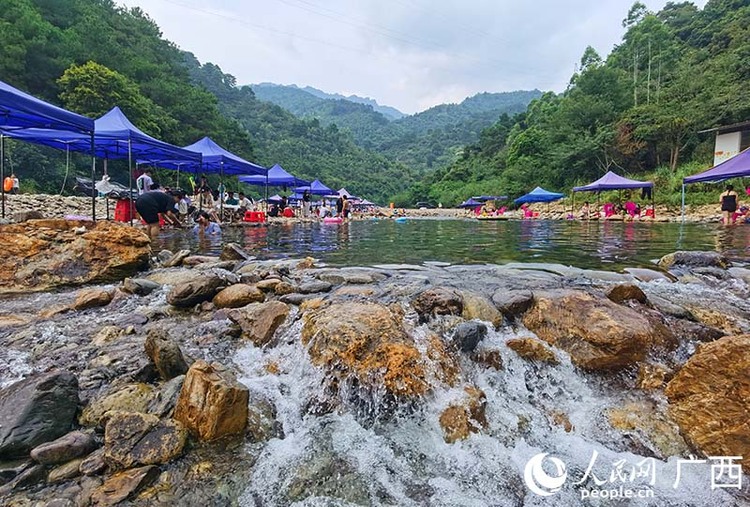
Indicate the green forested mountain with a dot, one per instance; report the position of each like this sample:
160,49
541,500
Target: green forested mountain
676,72
288,96
424,141
90,55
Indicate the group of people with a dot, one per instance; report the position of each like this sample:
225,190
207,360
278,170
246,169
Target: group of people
629,210
174,208
342,208
11,184
731,211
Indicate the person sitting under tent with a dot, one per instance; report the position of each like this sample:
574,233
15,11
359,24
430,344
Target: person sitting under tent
632,209
154,203
288,212
585,212
232,200
245,203
608,209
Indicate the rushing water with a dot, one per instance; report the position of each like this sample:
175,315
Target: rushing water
609,245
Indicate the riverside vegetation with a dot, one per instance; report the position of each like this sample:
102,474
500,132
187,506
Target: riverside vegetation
228,380
637,111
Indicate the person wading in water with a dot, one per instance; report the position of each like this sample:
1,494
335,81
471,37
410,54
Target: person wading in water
729,204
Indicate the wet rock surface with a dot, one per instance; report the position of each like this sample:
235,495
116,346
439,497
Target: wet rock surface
361,392
44,254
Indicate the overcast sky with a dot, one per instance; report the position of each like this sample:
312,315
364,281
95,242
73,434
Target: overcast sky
409,54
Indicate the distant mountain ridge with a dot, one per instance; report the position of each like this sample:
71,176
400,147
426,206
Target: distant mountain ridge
424,141
271,91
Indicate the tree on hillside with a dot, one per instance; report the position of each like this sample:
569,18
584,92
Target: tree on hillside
93,89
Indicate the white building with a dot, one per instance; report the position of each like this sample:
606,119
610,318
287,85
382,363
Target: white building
730,140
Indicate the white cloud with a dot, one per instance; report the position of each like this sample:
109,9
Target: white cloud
410,54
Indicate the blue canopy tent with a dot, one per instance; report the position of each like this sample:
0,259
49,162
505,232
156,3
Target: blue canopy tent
315,188
115,137
612,181
539,195
274,177
470,203
20,111
735,167
484,198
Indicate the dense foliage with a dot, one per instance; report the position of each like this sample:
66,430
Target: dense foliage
676,72
90,55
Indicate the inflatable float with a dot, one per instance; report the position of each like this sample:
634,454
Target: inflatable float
333,220
401,220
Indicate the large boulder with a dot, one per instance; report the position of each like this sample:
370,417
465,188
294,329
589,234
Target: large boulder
197,290
438,301
238,295
165,354
513,303
35,410
43,254
134,439
259,321
212,404
597,333
366,341
709,398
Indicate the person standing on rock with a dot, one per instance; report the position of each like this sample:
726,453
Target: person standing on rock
150,204
729,204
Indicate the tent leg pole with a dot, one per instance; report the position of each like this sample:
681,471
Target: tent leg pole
93,179
2,170
223,188
106,200
683,202
266,192
130,180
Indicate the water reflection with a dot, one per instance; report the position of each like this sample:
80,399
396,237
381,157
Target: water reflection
585,244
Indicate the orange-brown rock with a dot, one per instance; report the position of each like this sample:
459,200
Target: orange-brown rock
561,419
368,341
710,398
491,358
652,376
43,254
532,349
92,298
212,404
480,308
124,485
460,420
259,321
626,292
238,295
597,333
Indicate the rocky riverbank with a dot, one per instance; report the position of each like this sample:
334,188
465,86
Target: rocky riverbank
56,206
226,380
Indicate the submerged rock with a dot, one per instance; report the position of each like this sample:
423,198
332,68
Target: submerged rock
533,350
460,420
35,410
44,254
597,333
212,404
710,398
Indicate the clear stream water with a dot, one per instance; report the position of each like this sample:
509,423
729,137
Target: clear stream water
592,245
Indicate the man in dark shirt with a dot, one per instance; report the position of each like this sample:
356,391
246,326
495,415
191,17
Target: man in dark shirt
150,204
